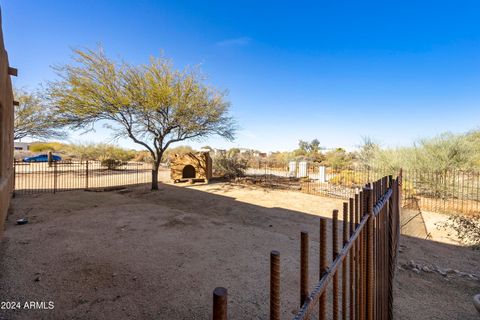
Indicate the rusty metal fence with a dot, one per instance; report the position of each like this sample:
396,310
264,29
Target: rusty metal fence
42,177
360,272
445,191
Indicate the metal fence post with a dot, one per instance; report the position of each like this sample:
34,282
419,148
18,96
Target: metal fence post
363,259
14,177
303,267
220,304
86,175
274,285
50,158
136,172
54,177
351,266
344,263
265,172
334,256
370,248
357,257
322,315
393,230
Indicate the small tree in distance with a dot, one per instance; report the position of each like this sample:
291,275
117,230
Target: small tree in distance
309,149
152,104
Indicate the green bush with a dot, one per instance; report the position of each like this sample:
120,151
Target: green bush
338,159
46,146
350,178
444,152
229,166
110,163
99,151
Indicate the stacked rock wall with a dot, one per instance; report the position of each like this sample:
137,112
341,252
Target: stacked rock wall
181,167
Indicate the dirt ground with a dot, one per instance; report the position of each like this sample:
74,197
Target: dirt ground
139,255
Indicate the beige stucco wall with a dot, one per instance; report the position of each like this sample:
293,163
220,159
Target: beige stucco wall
6,134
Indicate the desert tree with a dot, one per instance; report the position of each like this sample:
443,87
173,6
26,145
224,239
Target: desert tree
153,104
33,118
368,152
310,150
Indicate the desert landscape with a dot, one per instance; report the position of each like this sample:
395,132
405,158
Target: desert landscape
194,160
142,255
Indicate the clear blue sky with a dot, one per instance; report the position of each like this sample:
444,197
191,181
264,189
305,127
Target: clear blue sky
335,70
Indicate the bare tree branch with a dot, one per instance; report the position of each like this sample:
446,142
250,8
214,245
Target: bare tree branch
34,119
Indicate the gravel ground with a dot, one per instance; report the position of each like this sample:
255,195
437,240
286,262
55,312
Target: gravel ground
140,255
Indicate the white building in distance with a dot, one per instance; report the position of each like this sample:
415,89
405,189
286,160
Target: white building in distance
21,146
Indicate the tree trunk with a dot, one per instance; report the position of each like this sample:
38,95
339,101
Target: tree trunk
156,165
155,168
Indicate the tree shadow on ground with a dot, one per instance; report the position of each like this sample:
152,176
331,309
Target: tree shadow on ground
143,254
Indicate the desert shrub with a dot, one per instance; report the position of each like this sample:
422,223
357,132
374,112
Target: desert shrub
444,152
143,156
338,159
279,159
46,146
99,151
467,229
229,166
110,163
81,151
350,178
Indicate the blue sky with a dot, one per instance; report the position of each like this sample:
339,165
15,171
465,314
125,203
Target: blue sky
335,70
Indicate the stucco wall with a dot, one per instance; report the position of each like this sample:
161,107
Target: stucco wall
6,133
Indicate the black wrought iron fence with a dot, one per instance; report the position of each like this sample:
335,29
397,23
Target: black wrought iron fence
447,191
40,177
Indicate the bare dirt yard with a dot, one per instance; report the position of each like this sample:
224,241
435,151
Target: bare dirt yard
134,254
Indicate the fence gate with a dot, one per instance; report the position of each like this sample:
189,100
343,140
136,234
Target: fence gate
362,268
